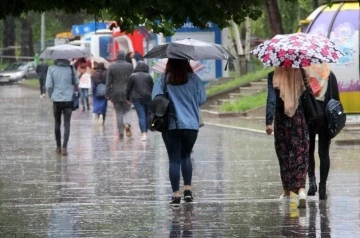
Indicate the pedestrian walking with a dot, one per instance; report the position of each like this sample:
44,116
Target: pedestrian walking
41,71
138,91
187,92
99,100
84,85
285,87
325,84
61,81
116,83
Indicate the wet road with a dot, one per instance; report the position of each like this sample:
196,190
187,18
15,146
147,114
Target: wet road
111,188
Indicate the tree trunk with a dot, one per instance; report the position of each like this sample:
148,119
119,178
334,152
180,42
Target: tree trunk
27,47
274,17
9,39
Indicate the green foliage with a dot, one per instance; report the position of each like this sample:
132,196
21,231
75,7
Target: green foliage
245,103
239,81
160,15
31,82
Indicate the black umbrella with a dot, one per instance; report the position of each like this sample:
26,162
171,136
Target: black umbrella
190,49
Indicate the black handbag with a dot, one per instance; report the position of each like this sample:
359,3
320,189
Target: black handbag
75,99
312,109
335,116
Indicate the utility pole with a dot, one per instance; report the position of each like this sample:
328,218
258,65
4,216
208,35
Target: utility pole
42,31
247,38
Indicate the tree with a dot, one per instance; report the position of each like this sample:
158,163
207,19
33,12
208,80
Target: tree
274,17
26,39
159,15
9,38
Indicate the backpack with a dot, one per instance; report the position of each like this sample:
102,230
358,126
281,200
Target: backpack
100,91
161,110
335,116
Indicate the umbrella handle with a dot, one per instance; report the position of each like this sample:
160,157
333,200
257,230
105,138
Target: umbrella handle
227,62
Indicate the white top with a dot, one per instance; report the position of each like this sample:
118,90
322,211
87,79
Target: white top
85,81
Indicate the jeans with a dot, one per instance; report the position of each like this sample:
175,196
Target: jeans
42,86
60,108
179,144
84,95
142,110
123,115
323,149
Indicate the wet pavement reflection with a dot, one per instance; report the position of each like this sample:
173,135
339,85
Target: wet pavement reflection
108,187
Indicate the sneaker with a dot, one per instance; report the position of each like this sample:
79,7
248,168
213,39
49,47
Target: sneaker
121,136
58,150
143,137
188,196
127,129
302,200
284,197
64,151
175,201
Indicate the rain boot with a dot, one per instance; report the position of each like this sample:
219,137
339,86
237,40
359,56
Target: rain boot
322,191
88,104
312,186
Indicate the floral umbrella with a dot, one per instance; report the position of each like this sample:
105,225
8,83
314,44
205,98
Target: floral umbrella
295,50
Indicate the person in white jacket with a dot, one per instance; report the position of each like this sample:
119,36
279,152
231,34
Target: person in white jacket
84,85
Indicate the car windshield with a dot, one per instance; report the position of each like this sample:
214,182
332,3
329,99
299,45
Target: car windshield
16,65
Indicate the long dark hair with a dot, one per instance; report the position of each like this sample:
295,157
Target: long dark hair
177,69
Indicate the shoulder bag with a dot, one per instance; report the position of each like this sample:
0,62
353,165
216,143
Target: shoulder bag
312,109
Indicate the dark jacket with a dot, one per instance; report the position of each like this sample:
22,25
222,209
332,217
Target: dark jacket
274,102
41,70
117,78
98,77
140,84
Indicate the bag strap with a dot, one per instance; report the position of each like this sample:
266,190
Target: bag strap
330,85
166,93
305,80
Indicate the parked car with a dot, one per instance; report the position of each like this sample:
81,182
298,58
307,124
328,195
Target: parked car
18,71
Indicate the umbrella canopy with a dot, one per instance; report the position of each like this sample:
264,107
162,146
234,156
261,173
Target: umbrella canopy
64,51
189,49
295,50
160,66
100,60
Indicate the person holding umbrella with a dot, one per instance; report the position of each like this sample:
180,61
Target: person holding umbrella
187,93
61,80
285,87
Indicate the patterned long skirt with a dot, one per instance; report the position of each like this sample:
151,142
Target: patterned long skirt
292,148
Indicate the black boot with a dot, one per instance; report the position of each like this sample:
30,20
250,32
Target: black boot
312,186
87,104
322,191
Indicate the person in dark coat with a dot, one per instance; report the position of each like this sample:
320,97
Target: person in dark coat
327,86
139,90
99,103
116,83
41,71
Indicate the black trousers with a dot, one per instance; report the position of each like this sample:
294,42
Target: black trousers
42,86
323,149
62,108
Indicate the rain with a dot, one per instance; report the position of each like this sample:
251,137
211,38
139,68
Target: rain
108,187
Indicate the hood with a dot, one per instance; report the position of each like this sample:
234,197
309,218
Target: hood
120,55
62,62
141,67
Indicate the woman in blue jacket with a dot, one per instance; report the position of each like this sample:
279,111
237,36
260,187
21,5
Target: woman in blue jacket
187,93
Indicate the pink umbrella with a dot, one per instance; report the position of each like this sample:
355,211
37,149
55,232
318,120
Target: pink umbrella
298,49
160,66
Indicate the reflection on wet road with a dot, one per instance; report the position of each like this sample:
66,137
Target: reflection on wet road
111,188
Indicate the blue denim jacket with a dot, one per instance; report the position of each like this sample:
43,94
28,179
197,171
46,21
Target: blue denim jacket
187,99
271,100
